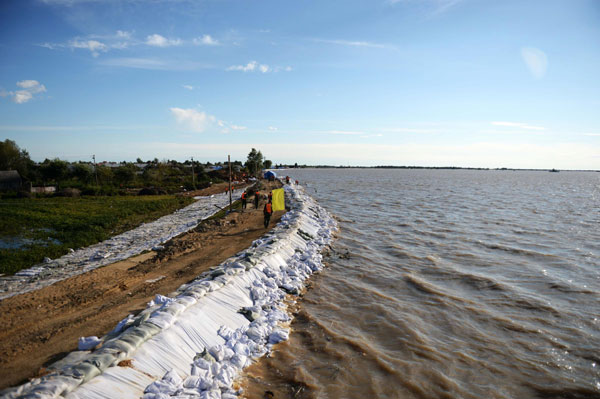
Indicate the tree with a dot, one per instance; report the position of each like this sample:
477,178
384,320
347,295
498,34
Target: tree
105,174
54,170
268,164
125,174
254,163
14,158
83,172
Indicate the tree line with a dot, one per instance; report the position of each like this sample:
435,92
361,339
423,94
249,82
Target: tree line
110,178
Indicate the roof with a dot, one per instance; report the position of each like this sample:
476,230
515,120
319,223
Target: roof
7,176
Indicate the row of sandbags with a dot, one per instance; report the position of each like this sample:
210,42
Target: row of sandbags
196,341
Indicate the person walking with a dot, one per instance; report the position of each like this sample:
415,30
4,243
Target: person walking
268,211
256,198
244,199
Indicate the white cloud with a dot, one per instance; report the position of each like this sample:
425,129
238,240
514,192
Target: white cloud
123,34
188,87
155,64
272,128
197,121
157,40
94,46
22,96
226,126
254,66
51,46
354,133
249,67
29,89
410,130
355,43
535,60
344,132
30,84
518,125
432,7
121,40
205,40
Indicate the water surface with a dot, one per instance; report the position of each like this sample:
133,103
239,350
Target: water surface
448,284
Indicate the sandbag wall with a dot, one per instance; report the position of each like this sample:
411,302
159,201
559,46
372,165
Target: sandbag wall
194,343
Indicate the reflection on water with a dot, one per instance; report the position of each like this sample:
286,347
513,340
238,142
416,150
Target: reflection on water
449,284
20,242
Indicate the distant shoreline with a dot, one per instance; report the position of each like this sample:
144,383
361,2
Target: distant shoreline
434,168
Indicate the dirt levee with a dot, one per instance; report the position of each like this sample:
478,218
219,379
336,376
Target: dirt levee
42,326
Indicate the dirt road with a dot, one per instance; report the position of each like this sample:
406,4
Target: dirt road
42,326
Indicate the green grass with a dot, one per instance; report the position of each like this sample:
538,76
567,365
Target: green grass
53,225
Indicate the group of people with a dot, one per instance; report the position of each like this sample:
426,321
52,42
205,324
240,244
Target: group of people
267,209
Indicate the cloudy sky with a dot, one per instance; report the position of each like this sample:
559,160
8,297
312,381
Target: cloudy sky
363,82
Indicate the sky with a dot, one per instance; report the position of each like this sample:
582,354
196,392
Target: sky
470,83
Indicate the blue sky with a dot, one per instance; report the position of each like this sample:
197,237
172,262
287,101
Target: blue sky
475,83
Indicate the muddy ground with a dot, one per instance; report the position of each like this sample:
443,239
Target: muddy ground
43,326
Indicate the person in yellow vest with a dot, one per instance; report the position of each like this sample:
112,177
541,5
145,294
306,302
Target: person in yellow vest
268,211
244,199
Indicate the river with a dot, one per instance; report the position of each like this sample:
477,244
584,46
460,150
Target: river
448,284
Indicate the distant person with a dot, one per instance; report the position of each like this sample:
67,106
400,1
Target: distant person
297,182
268,211
256,198
244,199
270,198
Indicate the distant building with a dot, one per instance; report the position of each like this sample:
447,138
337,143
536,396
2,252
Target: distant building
10,180
43,190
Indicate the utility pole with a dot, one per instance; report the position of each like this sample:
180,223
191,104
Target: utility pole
193,175
95,169
229,161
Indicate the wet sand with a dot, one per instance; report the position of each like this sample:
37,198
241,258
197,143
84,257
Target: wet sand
42,326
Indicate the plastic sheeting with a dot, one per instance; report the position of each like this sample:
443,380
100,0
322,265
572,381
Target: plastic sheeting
145,237
195,343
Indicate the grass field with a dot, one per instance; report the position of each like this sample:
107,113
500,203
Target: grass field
34,228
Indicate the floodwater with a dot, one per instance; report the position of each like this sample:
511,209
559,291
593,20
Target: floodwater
448,284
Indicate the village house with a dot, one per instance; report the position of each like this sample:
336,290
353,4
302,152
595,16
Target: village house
10,180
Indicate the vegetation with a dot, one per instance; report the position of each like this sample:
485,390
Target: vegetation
34,228
14,158
254,163
122,178
94,201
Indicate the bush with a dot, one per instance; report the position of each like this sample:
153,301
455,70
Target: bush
24,194
69,192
